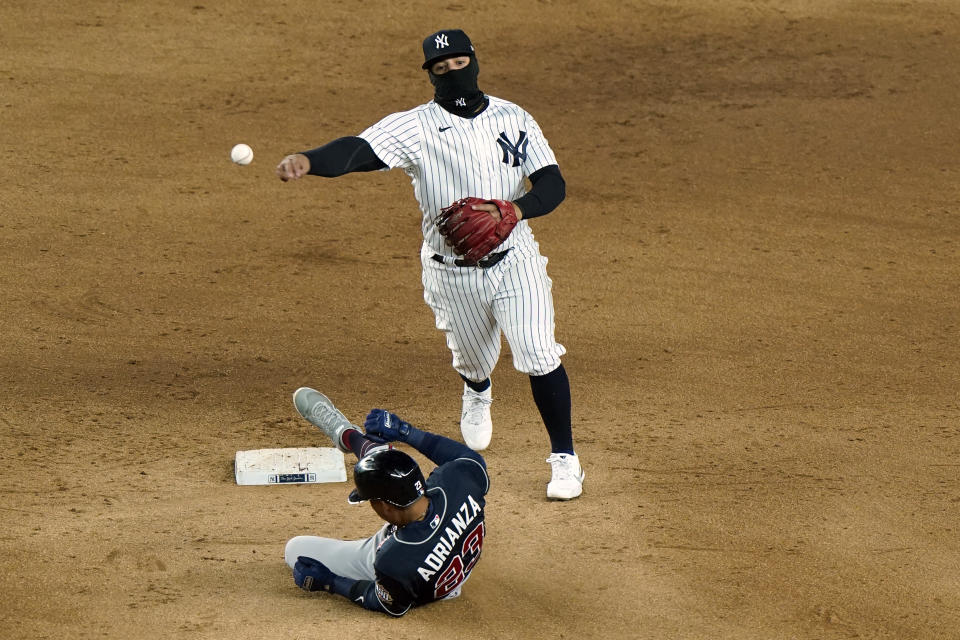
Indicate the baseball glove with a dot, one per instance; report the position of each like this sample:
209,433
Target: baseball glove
473,233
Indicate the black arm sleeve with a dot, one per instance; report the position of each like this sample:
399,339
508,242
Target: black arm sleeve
548,191
343,155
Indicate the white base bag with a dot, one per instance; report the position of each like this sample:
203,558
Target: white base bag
290,466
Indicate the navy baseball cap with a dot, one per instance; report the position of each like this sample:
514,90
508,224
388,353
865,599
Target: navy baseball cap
448,43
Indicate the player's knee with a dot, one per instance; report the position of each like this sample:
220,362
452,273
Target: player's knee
537,371
472,372
534,364
293,549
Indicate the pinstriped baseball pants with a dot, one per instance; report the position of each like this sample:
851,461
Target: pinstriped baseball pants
472,306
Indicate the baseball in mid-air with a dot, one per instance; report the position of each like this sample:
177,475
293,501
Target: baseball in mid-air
241,154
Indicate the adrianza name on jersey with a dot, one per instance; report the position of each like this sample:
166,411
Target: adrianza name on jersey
465,515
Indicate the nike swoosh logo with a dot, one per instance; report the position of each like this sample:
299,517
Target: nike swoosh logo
442,129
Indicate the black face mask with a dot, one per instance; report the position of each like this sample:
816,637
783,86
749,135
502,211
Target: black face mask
457,91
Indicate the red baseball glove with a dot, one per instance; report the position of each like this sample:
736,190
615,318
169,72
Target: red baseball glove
473,233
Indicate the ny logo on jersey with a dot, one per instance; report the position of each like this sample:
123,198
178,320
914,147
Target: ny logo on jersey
441,41
518,151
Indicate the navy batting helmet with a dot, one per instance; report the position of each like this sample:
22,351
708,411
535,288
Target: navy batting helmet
389,475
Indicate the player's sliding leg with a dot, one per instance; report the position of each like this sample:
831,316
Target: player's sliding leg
359,443
317,409
350,558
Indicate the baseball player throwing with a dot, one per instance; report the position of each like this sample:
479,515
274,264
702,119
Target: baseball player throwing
435,527
468,156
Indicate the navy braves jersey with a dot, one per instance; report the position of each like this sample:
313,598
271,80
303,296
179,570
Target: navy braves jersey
429,559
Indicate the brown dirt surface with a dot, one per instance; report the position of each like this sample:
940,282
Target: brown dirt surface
756,277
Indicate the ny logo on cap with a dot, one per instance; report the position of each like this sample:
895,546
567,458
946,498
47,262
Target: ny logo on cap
441,41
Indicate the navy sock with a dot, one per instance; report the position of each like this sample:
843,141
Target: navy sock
551,393
479,387
358,442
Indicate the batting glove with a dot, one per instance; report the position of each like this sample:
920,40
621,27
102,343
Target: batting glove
312,575
385,426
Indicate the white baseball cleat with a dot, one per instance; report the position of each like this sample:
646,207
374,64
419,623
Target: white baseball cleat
567,480
475,422
320,412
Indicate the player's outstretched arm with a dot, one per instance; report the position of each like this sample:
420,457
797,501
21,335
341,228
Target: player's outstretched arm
389,427
342,156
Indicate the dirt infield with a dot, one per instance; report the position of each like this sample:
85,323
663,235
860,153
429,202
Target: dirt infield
756,278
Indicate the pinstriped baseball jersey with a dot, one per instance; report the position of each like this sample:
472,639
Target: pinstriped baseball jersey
448,157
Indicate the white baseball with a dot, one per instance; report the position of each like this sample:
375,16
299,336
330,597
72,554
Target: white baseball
241,154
